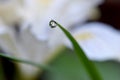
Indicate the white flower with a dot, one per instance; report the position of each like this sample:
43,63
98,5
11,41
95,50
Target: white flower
65,12
36,42
99,41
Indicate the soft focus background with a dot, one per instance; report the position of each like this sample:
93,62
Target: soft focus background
110,13
67,65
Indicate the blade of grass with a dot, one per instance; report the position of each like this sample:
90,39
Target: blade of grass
26,62
89,66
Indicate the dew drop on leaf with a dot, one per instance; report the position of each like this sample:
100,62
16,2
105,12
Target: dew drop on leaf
53,24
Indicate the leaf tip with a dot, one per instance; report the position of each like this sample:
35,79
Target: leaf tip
53,24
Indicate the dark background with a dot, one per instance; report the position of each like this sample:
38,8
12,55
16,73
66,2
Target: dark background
111,13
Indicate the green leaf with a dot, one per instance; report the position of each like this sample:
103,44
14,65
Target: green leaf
89,65
68,67
44,67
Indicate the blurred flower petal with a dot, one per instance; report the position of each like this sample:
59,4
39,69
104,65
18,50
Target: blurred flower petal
64,11
99,41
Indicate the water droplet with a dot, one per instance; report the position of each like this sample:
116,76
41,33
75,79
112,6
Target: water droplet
53,24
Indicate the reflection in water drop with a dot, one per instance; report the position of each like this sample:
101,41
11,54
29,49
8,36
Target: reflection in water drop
53,24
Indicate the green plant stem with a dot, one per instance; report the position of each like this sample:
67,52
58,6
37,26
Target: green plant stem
26,62
89,66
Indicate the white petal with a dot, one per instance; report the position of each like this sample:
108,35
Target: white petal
65,12
3,28
33,50
9,11
99,41
6,40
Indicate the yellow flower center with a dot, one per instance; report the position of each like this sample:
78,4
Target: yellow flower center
84,36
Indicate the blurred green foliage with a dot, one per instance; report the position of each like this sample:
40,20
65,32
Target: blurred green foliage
68,67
